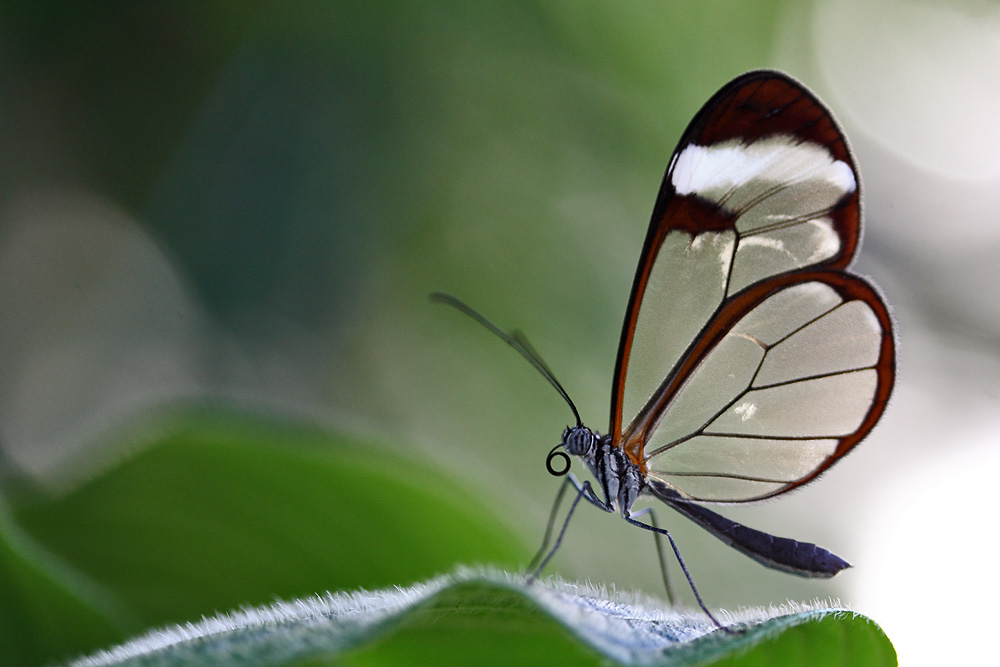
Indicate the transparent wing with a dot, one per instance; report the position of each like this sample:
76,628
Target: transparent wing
762,184
785,380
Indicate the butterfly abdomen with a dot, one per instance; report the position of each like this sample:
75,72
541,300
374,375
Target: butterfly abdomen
801,558
780,553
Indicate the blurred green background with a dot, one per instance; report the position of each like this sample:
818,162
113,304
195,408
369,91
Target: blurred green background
221,381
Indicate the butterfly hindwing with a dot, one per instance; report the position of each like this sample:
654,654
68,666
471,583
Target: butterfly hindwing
786,379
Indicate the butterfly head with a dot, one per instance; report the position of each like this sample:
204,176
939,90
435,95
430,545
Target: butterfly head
576,440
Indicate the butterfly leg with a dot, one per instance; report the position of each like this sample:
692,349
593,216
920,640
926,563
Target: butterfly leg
548,527
658,539
583,490
687,575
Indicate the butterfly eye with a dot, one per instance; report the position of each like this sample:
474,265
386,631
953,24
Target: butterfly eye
579,441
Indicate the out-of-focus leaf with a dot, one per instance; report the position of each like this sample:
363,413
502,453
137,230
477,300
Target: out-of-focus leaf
214,512
45,612
489,617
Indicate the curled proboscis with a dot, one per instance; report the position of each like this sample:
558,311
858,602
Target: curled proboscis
555,453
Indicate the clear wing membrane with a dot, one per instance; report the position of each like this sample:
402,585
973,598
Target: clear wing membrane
791,382
778,192
750,359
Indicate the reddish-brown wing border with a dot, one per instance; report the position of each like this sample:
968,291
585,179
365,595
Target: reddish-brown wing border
849,287
754,105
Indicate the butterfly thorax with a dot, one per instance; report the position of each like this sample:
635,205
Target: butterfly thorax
621,480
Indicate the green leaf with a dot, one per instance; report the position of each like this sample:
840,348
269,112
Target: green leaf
45,611
216,511
489,617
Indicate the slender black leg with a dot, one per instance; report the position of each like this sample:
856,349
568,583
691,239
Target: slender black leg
548,527
687,575
582,491
591,498
658,539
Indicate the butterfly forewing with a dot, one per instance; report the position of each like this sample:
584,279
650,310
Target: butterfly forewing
791,359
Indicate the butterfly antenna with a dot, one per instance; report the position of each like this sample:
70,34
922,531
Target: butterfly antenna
516,340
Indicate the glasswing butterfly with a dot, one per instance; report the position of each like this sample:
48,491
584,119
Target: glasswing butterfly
751,358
